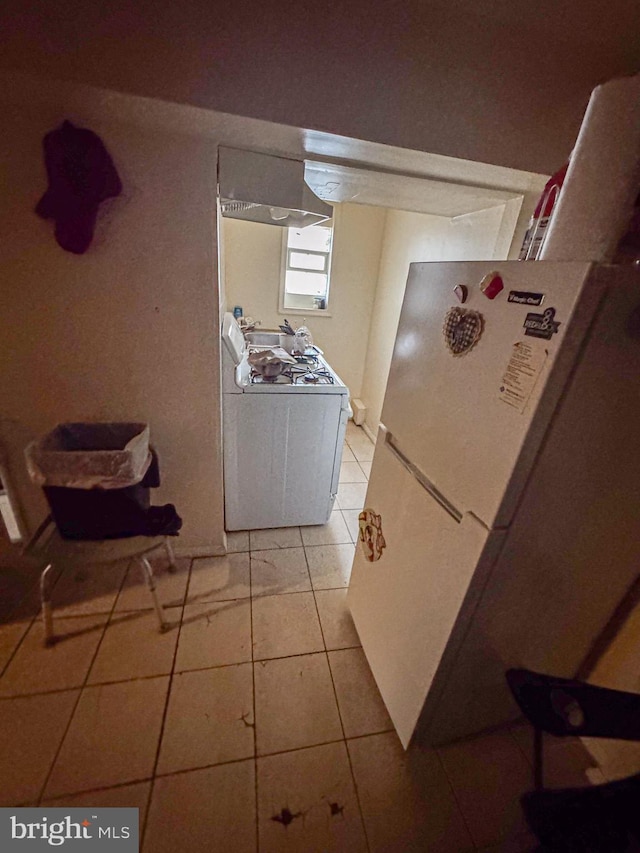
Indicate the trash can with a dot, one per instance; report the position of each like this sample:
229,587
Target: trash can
97,480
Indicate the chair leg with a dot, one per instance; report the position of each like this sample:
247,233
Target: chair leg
47,609
537,758
170,555
148,573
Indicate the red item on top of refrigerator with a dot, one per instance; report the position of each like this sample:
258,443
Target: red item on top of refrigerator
538,223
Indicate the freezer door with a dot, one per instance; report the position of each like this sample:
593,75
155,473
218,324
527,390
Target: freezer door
406,604
473,422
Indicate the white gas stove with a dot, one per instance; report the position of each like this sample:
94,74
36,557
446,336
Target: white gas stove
310,374
283,437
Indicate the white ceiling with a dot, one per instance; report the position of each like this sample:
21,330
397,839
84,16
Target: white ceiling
338,183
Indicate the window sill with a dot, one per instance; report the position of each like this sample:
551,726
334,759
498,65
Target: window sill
305,312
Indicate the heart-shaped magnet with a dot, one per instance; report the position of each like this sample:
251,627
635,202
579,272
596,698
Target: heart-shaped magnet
462,329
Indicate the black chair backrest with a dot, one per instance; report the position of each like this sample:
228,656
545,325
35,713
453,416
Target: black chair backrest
562,706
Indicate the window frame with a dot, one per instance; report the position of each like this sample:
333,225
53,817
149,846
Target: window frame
285,267
295,251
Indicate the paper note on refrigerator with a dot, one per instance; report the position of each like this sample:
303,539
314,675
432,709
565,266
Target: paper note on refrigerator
521,374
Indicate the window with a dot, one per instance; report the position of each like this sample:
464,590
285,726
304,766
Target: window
306,268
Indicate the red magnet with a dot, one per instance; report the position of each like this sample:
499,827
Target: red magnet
491,285
461,292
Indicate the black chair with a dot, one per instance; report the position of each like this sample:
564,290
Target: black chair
598,819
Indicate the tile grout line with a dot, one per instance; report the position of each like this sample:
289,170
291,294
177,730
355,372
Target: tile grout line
277,547
305,654
259,595
146,779
335,695
275,752
82,687
353,541
100,683
53,692
35,587
527,757
284,592
455,797
199,767
143,829
255,717
5,668
11,614
50,800
364,473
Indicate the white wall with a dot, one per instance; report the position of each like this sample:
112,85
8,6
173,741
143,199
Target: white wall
252,280
128,331
410,237
252,253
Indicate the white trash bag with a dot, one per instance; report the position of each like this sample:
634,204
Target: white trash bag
88,456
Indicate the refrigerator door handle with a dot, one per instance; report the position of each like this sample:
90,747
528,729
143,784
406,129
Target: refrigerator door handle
424,481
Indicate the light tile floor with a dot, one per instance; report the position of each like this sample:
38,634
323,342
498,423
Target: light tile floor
254,723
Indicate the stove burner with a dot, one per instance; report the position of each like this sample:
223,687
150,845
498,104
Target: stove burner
307,359
313,376
283,379
297,374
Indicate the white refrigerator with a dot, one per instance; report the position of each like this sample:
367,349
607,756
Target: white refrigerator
502,517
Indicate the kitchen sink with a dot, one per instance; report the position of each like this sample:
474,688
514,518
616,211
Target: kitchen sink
269,338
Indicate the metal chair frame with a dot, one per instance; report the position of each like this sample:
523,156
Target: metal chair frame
60,552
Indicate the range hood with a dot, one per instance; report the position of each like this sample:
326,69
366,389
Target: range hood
262,188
